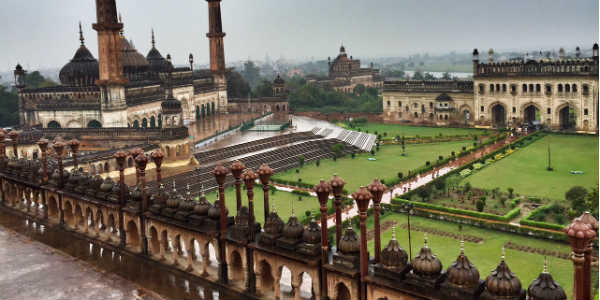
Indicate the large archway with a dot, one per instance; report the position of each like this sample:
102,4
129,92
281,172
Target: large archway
154,242
498,116
94,124
237,268
342,292
52,208
133,239
266,277
566,117
53,124
531,114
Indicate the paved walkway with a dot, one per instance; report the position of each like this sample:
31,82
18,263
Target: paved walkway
32,270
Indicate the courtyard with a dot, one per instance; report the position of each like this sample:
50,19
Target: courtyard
392,130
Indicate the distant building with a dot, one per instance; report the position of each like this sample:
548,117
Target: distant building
560,93
345,73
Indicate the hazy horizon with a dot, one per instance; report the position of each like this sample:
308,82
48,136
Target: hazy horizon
44,34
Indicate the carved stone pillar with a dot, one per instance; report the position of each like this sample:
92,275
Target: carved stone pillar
264,172
580,234
134,153
249,177
377,189
323,189
337,184
220,173
120,157
59,147
362,198
587,218
236,169
141,161
157,158
74,145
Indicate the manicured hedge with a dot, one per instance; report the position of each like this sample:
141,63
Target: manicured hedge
542,209
510,215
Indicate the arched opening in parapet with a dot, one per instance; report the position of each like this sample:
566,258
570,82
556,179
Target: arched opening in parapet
100,169
180,246
111,224
79,219
100,221
53,124
136,124
166,244
154,242
212,255
277,107
144,123
237,268
283,108
89,216
203,111
285,280
152,122
68,214
130,162
531,114
212,108
198,116
52,208
567,117
94,124
266,277
159,121
106,167
306,289
133,238
342,292
498,116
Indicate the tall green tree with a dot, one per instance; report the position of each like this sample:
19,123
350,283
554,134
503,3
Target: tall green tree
237,86
251,73
264,89
9,107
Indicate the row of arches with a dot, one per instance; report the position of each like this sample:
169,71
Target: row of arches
145,122
74,124
531,88
203,111
532,115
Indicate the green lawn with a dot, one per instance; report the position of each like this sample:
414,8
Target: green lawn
525,170
486,255
360,171
411,131
281,199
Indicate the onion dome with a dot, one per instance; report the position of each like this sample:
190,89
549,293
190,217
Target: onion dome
393,256
75,177
107,185
133,61
274,224
160,197
188,203
157,62
173,201
214,212
462,272
349,242
136,193
55,177
203,205
243,216
293,229
545,288
278,80
82,70
312,233
502,282
426,264
587,218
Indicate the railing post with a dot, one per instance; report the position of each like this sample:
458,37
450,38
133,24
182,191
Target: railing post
337,184
264,173
249,177
220,173
377,189
323,189
236,169
141,161
362,198
121,156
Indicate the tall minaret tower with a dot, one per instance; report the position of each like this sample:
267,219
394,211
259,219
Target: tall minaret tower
216,35
217,52
112,81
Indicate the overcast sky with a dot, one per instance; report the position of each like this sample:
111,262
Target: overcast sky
43,33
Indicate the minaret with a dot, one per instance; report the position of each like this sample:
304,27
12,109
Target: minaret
216,35
112,81
19,74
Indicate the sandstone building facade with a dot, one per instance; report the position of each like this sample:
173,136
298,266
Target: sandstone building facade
560,93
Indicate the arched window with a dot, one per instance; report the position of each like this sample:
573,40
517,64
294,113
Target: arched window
94,124
491,88
538,88
481,89
567,88
53,124
144,123
586,90
574,88
159,121
136,124
152,122
560,88
531,87
524,88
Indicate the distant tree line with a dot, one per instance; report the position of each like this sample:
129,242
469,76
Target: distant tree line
9,100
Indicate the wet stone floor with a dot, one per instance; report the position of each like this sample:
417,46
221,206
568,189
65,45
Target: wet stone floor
32,270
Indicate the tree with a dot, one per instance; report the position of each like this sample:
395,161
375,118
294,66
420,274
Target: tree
237,86
510,192
301,160
446,76
495,192
264,89
428,76
9,107
591,201
424,192
467,187
418,75
359,89
577,195
36,80
337,149
251,73
480,204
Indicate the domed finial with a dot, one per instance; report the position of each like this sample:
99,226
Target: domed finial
273,207
425,237
545,265
462,247
202,191
394,231
121,21
153,41
503,256
188,190
174,189
81,34
292,205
